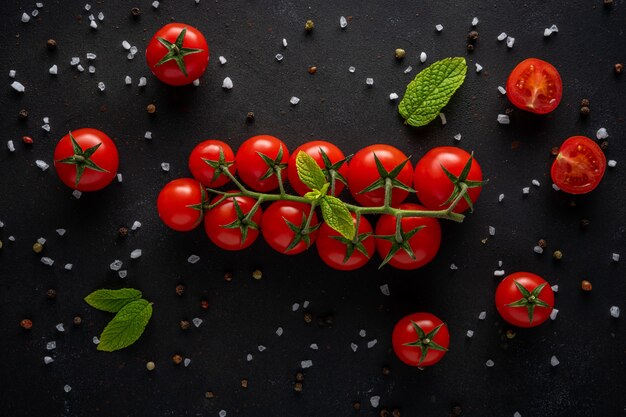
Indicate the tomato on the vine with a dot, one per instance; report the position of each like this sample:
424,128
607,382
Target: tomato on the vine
180,204
329,157
346,255
420,239
579,165
524,299
227,224
258,161
420,339
284,227
177,54
205,160
371,167
535,86
440,174
86,159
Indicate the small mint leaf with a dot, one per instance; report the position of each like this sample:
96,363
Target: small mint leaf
337,216
309,172
126,327
112,300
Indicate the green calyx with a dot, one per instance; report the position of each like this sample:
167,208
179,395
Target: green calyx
353,244
243,222
273,165
302,232
218,165
176,52
425,341
399,240
529,300
461,183
82,159
387,175
331,171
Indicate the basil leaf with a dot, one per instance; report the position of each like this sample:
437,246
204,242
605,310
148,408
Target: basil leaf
309,172
337,216
112,300
126,327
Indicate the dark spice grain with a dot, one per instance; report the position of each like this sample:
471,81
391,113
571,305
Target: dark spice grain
604,145
77,320
23,114
122,231
356,405
51,44
297,387
51,294
177,359
135,12
395,413
180,289
584,111
26,324
250,116
619,68
184,324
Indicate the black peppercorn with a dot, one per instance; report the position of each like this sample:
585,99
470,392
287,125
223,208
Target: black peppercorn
51,294
184,324
299,376
604,145
250,116
470,47
584,223
584,111
78,320
23,114
180,289
135,12
472,36
122,231
619,68
51,44
356,405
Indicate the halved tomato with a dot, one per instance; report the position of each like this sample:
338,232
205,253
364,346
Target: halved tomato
579,166
535,86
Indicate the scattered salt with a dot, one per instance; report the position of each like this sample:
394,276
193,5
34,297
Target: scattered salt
261,348
60,327
91,17
130,56
553,28
295,307
90,56
492,231
116,265
222,413
119,177
46,127
554,361
453,267
614,310
227,83
510,41
249,357
93,24
165,166
101,86
306,364
354,347
555,288
372,343
222,60
87,6
279,57
18,86
547,32
362,333
457,137
101,16
469,333
54,70
517,414
503,119
343,22
385,289
136,225
423,57
501,90
51,345
12,238
196,82
39,5
536,183
133,50
47,360
375,400
538,249
279,331
197,321
25,18
555,187
525,190
498,273
502,36
474,21
489,363
479,67
155,4
554,313
34,13
393,96
602,133
12,73
125,45
294,100
351,69
615,257
612,163
482,315
91,69
186,362
305,304
314,346
439,27
10,146
142,82
443,118
369,81
408,69
42,164
193,259
135,254
77,194
67,388
148,135
68,267
41,240
122,274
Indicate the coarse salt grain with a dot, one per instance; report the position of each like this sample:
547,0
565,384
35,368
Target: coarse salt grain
295,306
372,343
51,345
393,96
385,289
279,57
261,348
25,18
536,183
90,56
68,267
67,388
130,56
294,100
553,28
125,45
500,198
41,241
279,331
498,273
186,362
77,194
503,119
547,32
54,70
197,321
423,57
91,69
193,259
101,16
469,333
128,80
482,315
479,67
614,311
227,83
196,82
489,363
47,261
136,225
101,86
135,254
47,360
492,231
343,22
443,118
555,288
354,347
602,133
439,27
474,21
510,41
454,267
61,232
555,187
222,413
306,364
369,81
554,361
538,249
517,414
93,24
408,69
39,5
314,346
18,86
60,327
122,274
615,257
351,69
148,135
133,49
501,90
42,165
457,137
284,42
612,163
362,333
502,36
12,73
554,313
375,400
155,4
249,357
87,6
119,177
142,82
525,190
165,166
46,127
222,60
10,146
116,265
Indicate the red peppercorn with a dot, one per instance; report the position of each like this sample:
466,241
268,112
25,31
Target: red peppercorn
26,324
27,140
204,304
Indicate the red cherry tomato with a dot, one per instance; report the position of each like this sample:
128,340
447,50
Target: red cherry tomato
283,226
254,170
432,185
423,243
420,339
342,254
535,86
364,173
180,204
227,225
203,162
88,163
331,166
524,299
177,54
579,166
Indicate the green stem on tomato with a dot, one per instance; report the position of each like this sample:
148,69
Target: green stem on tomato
310,216
399,238
388,192
279,175
458,198
333,179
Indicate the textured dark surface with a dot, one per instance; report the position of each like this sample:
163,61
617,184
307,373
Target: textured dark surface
337,106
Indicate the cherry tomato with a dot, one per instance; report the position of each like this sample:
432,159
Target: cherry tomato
86,159
180,204
259,172
226,223
177,54
435,189
204,160
342,254
535,86
420,339
365,182
283,227
333,165
524,299
422,243
579,166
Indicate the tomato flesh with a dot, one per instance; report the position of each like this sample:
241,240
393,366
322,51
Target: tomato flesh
579,165
535,86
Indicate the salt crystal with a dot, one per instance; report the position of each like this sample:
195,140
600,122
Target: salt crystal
538,249
101,16
498,273
101,86
91,69
482,315
554,313
227,83
51,345
60,327
408,69
74,61
222,413
489,363
46,127
279,57
439,27
155,4
500,198
492,231
67,388
133,50
343,22
393,96
517,414
116,265
130,56
12,238
474,21
87,6
479,67
249,357
453,267
284,43
375,400
142,82
612,163
369,81
457,137
555,187
47,360
196,82
510,41
353,346
553,28
536,183
602,133
423,57
547,32
125,45
351,69
443,118
385,289
502,36
503,119
25,18
148,135
93,24
305,304
42,165
294,100
68,267
193,259
41,241
222,60
186,362
554,361
362,333
91,17
91,56
12,73
1,224
197,321
279,331
165,166
314,346
615,257
261,348
372,343
39,5
122,274
501,90
135,254
525,190
18,86
10,146
136,225
614,310
119,177
469,333
306,364
295,307
54,70
555,288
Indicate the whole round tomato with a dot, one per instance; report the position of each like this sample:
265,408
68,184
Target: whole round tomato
86,159
365,181
535,86
205,160
579,166
258,159
524,299
227,224
435,189
283,227
340,253
180,204
420,339
177,54
329,157
421,237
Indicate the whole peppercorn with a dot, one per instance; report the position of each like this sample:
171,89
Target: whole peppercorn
584,111
122,231
244,383
400,53
250,116
554,151
584,102
386,370
204,304
470,47
77,320
395,413
27,140
312,70
309,25
604,145
150,366
151,108
135,12
257,274
608,3
228,276
619,68
383,413
508,111
472,36
51,44
180,289
299,376
177,359
209,395
51,294
585,285
557,254
307,317
297,387
37,247
356,405
584,223
184,324
26,324
23,114
456,411
542,243
510,334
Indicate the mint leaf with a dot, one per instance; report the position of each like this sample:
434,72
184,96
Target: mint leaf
431,90
309,172
337,216
126,327
112,300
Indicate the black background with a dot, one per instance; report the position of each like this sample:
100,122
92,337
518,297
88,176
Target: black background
336,106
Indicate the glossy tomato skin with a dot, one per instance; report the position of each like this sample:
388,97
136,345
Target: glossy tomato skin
202,171
313,149
106,157
579,166
404,332
333,251
507,293
195,63
535,86
431,184
277,233
175,202
363,172
425,243
225,214
251,167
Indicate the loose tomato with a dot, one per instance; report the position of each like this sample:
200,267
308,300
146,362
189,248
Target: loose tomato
535,86
367,177
283,227
579,166
228,225
180,204
177,54
421,237
524,299
205,160
258,160
340,253
329,157
86,159
420,339
436,188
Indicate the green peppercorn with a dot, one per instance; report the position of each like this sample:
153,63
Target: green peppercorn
557,254
37,247
309,25
400,53
257,274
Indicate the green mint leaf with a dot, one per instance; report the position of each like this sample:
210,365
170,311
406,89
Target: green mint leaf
309,172
126,327
112,300
337,216
431,90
